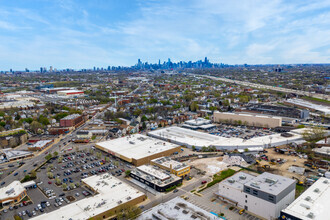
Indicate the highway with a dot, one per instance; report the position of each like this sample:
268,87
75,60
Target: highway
260,86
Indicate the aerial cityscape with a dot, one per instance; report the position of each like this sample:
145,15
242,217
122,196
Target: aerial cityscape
164,110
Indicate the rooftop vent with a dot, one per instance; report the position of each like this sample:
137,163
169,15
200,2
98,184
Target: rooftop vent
308,198
317,190
311,215
231,180
242,177
325,181
305,206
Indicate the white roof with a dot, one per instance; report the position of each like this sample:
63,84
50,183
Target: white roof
41,143
176,208
198,139
322,150
198,122
159,174
168,162
300,102
136,146
12,190
112,192
313,202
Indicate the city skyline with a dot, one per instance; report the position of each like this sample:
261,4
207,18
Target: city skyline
83,34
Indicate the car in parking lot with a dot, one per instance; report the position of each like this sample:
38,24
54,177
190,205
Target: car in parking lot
175,191
15,174
3,183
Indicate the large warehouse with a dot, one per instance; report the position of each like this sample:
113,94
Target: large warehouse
138,149
251,120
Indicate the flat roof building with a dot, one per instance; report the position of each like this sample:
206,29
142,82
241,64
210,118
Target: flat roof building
138,149
264,195
72,92
72,120
312,204
155,177
175,167
112,195
189,138
248,119
13,193
176,208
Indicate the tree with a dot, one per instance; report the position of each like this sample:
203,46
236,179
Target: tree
129,212
314,134
193,106
91,151
55,153
193,148
64,185
35,126
98,155
71,185
48,169
57,181
144,126
127,172
33,174
50,175
60,159
48,156
107,159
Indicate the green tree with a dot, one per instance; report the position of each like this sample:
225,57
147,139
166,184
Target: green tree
55,153
127,172
50,175
58,181
48,156
60,159
35,126
64,185
33,174
71,185
129,212
314,134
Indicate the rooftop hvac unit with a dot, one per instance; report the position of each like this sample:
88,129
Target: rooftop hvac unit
270,180
308,198
242,177
132,142
255,185
311,215
231,180
317,190
305,206
325,181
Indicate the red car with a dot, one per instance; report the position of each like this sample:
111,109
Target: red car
49,182
203,182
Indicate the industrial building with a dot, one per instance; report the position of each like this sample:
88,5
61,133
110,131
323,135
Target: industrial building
322,151
155,177
247,119
13,193
73,120
311,106
176,208
112,195
70,92
264,195
138,149
8,154
312,204
175,167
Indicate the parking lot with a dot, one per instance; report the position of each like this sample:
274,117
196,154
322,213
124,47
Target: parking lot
59,181
243,132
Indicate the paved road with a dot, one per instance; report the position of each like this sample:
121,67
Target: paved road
260,86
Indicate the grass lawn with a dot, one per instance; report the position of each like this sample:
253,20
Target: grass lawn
299,190
219,177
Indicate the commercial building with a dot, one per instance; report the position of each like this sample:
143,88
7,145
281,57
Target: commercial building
247,119
176,208
70,92
73,120
155,178
175,167
40,145
111,196
323,151
264,195
312,204
198,123
189,138
138,149
8,154
13,193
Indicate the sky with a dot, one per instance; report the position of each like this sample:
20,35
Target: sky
86,33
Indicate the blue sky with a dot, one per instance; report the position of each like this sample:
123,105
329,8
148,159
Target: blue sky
82,34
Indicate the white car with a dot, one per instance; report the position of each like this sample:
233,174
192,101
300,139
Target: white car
47,204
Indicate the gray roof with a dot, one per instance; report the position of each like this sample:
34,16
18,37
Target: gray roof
270,183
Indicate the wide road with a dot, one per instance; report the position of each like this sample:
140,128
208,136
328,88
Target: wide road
39,158
261,86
